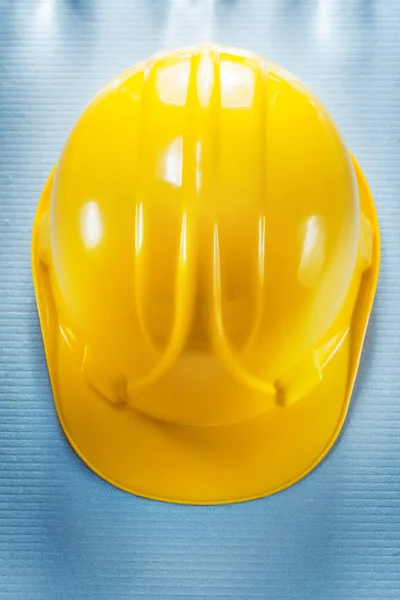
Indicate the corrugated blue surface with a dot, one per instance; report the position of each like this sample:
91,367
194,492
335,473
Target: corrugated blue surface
64,533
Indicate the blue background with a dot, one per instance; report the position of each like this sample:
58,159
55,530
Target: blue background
65,533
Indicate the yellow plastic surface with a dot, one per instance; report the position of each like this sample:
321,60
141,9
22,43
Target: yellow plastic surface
205,256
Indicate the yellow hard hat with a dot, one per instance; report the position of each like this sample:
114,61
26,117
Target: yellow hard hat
205,256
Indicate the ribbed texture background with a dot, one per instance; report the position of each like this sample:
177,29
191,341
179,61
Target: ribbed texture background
66,534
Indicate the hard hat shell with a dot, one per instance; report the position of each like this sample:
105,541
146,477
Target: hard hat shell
205,256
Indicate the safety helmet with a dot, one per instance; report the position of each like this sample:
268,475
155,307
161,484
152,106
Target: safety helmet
205,256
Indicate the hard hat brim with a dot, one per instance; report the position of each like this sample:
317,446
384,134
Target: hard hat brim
202,464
